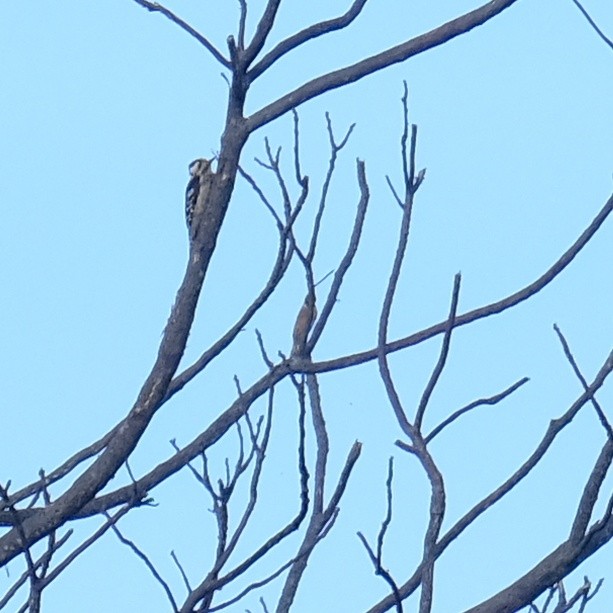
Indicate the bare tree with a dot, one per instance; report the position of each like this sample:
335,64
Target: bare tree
39,525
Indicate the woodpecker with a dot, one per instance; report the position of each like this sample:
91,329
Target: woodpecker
200,174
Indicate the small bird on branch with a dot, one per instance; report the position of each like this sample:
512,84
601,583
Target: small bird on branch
197,188
304,323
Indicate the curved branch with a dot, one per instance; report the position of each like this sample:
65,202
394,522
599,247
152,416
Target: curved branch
239,407
594,540
592,23
130,430
443,355
481,313
591,493
473,405
278,270
549,571
154,389
399,53
64,469
294,41
347,258
156,7
189,452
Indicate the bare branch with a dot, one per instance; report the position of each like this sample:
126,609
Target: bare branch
567,352
252,586
377,559
63,470
298,172
334,150
186,582
220,425
282,262
344,76
294,41
473,405
156,7
153,390
212,582
69,559
258,451
34,526
262,31
591,492
388,518
241,24
147,562
42,561
323,443
265,357
319,525
17,524
347,259
480,313
438,369
418,445
258,190
514,597
569,556
596,29
386,309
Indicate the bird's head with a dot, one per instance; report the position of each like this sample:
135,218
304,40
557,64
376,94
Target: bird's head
199,166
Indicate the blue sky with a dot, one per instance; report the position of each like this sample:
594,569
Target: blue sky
102,107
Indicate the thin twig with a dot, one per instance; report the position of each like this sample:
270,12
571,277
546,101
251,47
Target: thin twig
569,356
305,35
598,31
94,538
64,469
241,24
347,259
213,583
377,559
156,7
186,582
42,561
18,525
442,359
483,312
334,150
555,427
474,404
140,554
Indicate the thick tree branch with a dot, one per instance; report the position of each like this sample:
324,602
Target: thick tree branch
551,570
591,492
602,531
151,396
262,31
399,53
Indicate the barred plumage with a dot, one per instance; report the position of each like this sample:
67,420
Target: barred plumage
200,171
